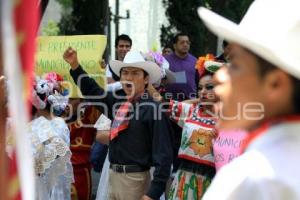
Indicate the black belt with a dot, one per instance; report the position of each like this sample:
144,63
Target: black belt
198,168
127,168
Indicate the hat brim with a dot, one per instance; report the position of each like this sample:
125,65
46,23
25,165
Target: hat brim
150,67
233,33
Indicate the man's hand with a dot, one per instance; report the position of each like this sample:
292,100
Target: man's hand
145,197
70,56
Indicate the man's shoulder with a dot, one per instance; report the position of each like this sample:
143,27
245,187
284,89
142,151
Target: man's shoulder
147,99
260,165
248,173
148,104
192,57
171,57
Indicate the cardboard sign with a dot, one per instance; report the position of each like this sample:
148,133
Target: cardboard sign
227,146
90,48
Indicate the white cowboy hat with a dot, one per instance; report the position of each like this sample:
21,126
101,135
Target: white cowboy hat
270,28
135,59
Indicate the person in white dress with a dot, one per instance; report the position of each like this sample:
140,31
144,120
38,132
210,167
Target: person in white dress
50,140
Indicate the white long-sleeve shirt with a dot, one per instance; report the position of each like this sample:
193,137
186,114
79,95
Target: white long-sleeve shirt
268,170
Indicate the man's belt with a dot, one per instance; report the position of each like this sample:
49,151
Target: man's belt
127,168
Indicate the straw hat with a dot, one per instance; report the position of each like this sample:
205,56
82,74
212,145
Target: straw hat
135,59
270,28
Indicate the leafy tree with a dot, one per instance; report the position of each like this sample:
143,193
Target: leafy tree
51,29
183,17
83,17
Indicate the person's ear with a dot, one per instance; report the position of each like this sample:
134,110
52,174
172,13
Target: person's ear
278,86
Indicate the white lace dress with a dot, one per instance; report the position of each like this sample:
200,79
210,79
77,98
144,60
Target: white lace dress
50,141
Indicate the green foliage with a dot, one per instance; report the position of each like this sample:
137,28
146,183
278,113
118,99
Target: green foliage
65,3
51,29
82,17
183,17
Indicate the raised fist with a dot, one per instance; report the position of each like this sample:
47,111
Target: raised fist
70,56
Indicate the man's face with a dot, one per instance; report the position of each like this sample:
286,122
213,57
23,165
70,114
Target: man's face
166,51
241,91
133,80
182,46
122,48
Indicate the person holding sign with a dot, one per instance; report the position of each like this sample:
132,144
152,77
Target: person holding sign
123,44
260,92
138,140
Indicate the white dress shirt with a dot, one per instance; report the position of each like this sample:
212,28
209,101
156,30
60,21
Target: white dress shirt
268,170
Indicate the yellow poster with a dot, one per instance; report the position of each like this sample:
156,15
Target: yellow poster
90,48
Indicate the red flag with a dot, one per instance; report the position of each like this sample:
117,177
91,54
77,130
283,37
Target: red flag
26,24
14,192
19,28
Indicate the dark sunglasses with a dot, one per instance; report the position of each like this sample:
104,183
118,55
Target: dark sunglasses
207,87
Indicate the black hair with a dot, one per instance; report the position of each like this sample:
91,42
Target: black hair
123,37
168,45
296,94
33,111
224,44
264,67
145,75
175,39
42,97
206,73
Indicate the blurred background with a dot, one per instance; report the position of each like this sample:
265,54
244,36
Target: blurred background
150,23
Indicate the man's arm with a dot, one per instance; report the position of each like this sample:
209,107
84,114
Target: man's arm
162,153
87,85
192,101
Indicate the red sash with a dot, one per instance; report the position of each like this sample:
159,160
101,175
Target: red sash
264,127
120,122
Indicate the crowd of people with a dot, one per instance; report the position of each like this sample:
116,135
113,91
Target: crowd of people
160,126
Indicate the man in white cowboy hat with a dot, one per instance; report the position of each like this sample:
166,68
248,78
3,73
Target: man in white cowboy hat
263,78
140,135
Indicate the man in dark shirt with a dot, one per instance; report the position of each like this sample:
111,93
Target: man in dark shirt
140,134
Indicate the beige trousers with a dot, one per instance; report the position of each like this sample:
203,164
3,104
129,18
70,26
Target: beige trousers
128,186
